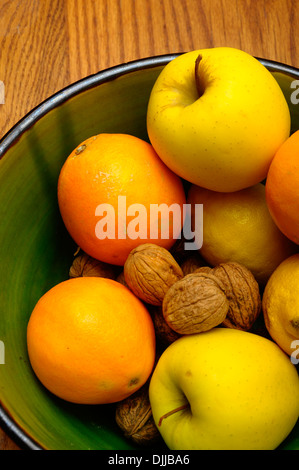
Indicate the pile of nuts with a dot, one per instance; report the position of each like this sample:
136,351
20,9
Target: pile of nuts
183,296
192,298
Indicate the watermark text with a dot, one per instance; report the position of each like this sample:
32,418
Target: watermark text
295,354
2,353
295,93
161,221
2,93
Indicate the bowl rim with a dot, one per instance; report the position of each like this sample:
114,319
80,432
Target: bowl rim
79,86
7,422
90,81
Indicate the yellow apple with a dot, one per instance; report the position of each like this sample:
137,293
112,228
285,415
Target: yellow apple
216,117
224,389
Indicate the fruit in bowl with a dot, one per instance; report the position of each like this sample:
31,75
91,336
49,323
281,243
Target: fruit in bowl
224,390
91,341
280,306
282,188
61,423
106,167
238,226
216,117
117,175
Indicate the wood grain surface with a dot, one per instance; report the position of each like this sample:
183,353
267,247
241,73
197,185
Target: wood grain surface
48,44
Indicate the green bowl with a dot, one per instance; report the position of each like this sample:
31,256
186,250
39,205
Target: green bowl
36,251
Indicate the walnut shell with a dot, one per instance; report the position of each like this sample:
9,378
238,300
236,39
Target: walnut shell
243,294
86,266
204,269
134,417
196,303
163,331
192,263
149,272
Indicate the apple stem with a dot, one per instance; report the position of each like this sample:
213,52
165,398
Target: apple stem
199,86
183,407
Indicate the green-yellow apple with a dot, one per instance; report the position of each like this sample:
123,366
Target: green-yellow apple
224,389
216,117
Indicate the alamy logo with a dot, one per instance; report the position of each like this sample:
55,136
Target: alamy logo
295,94
295,354
157,221
2,93
2,353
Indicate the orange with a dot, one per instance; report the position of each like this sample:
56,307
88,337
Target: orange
282,188
91,341
107,188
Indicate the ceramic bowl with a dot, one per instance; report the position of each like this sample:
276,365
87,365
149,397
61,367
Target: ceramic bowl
36,251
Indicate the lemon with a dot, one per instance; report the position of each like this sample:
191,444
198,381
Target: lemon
238,227
281,305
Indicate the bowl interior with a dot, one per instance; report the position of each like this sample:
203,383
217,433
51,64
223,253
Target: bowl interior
36,252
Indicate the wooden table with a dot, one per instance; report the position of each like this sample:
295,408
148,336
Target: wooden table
48,44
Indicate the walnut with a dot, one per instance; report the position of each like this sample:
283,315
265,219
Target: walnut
134,417
163,331
149,272
243,294
204,269
192,263
195,303
86,266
